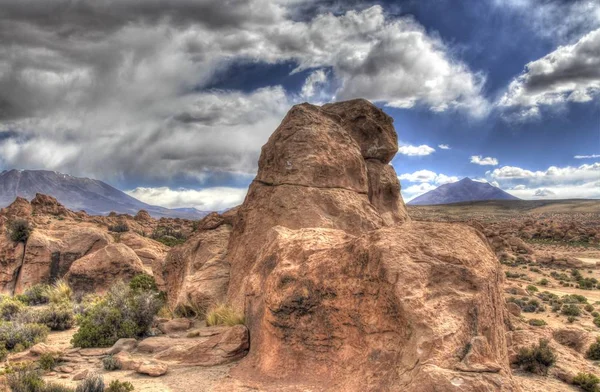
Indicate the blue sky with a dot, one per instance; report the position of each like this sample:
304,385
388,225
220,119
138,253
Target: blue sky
172,103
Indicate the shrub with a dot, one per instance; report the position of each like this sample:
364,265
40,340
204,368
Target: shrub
34,295
60,292
120,227
10,308
111,363
92,383
571,310
25,380
224,314
593,351
589,308
143,282
17,335
58,317
543,282
587,382
531,288
47,361
571,319
537,322
120,386
574,299
122,313
19,230
537,358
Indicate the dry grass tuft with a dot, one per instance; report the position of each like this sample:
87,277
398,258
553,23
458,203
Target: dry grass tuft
224,314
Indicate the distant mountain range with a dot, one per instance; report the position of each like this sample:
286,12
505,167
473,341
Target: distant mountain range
76,193
461,191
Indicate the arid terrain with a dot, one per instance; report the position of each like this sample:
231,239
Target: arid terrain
322,280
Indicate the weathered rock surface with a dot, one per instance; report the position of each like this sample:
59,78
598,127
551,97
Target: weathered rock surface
215,346
196,273
339,289
98,271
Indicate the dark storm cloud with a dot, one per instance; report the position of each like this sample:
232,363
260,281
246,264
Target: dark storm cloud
84,80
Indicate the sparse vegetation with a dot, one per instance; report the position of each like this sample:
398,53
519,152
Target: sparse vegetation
121,313
587,382
532,289
60,293
571,310
168,236
536,359
537,322
47,361
34,295
120,386
143,282
19,230
110,363
593,351
10,308
120,227
92,383
224,314
17,336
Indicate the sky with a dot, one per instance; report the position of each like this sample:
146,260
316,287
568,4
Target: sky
172,101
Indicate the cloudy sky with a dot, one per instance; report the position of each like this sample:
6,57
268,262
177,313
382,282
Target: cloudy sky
172,100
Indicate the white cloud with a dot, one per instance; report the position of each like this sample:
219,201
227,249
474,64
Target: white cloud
444,146
412,151
207,199
571,73
594,156
555,182
487,161
425,180
313,81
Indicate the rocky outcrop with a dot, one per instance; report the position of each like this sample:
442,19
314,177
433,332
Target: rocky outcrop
339,288
195,275
98,271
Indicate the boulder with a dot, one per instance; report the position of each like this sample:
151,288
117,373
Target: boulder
222,345
98,271
334,306
175,325
123,344
153,368
340,288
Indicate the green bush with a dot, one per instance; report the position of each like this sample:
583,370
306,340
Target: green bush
110,363
571,310
589,308
536,359
10,308
34,295
17,335
47,361
593,351
19,230
29,380
587,382
537,322
122,313
120,386
120,227
143,282
531,288
543,282
55,317
571,319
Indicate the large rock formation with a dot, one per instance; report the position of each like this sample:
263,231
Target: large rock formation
340,290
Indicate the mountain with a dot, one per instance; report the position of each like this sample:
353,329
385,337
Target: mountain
461,191
76,193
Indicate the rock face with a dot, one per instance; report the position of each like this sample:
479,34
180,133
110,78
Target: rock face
98,271
339,288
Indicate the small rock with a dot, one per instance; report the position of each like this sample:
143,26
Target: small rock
175,325
124,344
42,348
153,368
81,375
63,375
126,361
51,374
65,369
92,352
